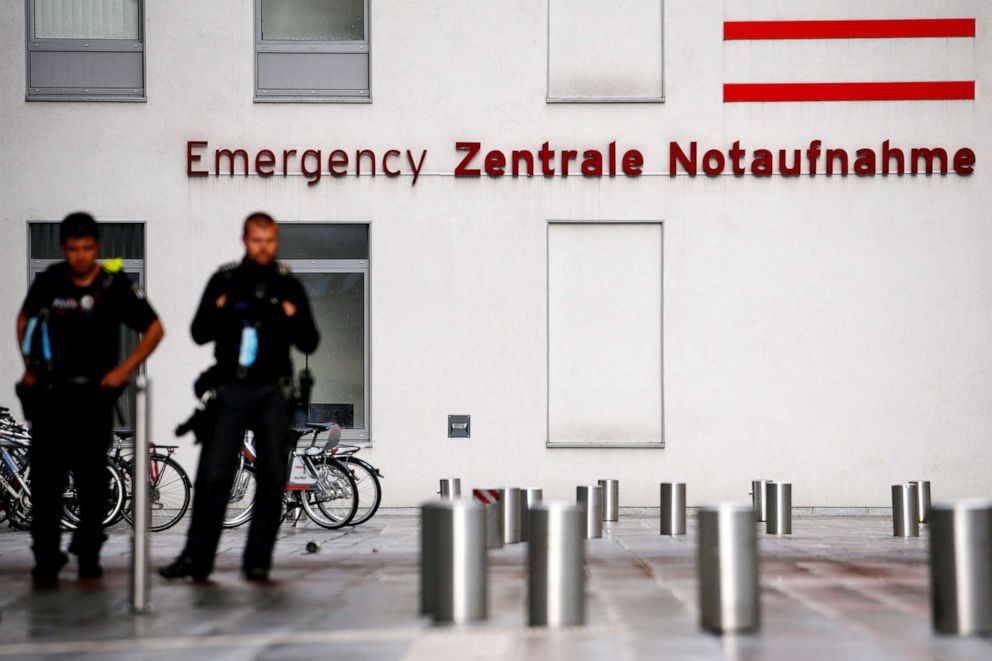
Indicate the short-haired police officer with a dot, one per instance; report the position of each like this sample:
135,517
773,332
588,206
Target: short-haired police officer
252,311
69,332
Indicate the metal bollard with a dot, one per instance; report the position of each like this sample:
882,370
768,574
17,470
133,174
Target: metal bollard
673,508
591,498
923,499
611,499
453,563
961,566
905,510
140,541
511,515
778,501
728,569
532,496
493,500
757,494
555,572
451,487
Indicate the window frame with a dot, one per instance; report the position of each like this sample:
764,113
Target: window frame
601,99
355,436
303,47
548,443
103,94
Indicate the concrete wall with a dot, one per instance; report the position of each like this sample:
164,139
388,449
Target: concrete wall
833,332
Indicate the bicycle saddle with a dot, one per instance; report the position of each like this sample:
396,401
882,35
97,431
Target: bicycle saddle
322,426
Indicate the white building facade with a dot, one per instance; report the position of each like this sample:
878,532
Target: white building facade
630,319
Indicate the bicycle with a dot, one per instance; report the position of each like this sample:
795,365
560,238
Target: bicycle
367,478
169,487
318,485
15,472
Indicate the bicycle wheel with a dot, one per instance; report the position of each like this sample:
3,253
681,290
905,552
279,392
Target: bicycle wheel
242,500
369,490
124,469
333,500
169,492
115,500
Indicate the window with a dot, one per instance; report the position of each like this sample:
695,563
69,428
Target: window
311,50
604,334
85,50
605,51
332,262
122,240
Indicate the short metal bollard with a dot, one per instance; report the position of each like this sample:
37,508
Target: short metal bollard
923,499
493,500
778,499
673,508
453,563
961,566
451,487
905,510
591,498
555,572
611,499
728,569
758,499
531,497
140,541
512,515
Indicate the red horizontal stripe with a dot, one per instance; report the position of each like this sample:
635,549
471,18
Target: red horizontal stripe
915,91
853,29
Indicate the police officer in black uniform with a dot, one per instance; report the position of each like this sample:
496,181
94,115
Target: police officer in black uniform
252,311
69,331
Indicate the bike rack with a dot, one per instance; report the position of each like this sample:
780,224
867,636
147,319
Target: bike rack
140,542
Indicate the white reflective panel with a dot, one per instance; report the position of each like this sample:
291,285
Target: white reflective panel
313,20
86,19
604,49
604,333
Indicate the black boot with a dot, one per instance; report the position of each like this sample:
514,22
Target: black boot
45,574
183,567
89,567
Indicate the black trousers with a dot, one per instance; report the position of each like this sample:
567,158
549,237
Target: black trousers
264,410
71,432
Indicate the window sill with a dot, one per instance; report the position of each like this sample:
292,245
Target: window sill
310,99
86,98
604,99
606,446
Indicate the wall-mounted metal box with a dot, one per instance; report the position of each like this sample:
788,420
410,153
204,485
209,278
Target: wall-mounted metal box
459,426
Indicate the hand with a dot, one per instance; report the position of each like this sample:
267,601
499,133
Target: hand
288,308
28,379
116,377
221,300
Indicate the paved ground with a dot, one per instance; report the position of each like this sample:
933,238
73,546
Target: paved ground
838,588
